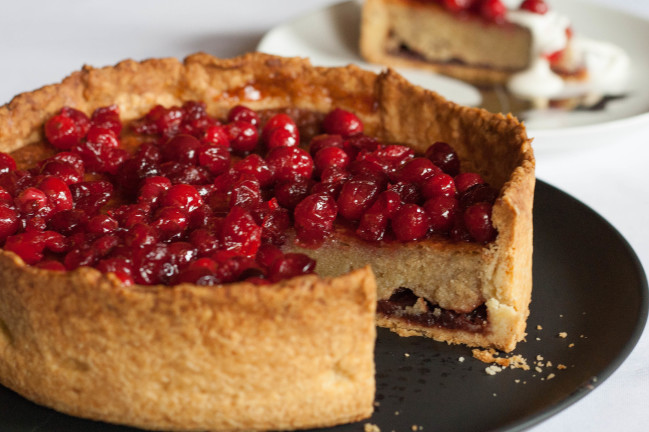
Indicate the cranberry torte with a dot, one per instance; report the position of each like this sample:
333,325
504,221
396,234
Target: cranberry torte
187,245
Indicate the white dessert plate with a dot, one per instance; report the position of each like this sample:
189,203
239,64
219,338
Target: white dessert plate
329,37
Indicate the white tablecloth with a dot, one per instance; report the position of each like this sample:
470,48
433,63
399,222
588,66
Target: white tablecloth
43,41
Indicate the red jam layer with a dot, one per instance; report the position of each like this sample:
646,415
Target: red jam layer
401,303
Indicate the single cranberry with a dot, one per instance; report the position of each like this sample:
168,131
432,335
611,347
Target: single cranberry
320,142
182,253
279,121
493,10
195,119
183,196
390,157
275,221
445,157
181,148
152,264
369,170
341,122
215,158
68,222
108,118
357,143
81,256
374,222
32,201
7,163
478,193
9,222
243,136
536,6
51,265
410,223
70,158
477,219
290,193
314,217
65,171
457,5
100,152
240,233
356,197
466,180
179,173
153,188
267,254
101,224
163,121
289,266
438,185
246,193
67,128
217,136
15,181
129,215
30,245
256,167
132,171
149,152
57,192
287,163
90,196
416,171
6,198
243,113
409,192
141,234
280,137
330,157
103,245
334,175
442,211
202,276
120,266
204,241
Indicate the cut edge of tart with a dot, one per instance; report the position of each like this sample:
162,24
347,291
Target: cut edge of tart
162,357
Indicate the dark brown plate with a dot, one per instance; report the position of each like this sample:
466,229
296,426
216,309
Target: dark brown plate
583,271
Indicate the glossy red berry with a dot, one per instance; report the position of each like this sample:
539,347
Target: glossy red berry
374,222
215,158
445,157
243,136
330,157
7,163
416,171
477,219
536,6
341,122
356,197
290,265
320,142
9,223
465,181
108,118
287,163
57,192
256,167
279,121
67,128
493,10
314,217
410,223
240,234
216,135
182,196
243,113
438,185
442,211
181,148
280,137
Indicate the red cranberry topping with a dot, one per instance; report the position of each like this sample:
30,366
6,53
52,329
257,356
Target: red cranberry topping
445,157
182,196
356,197
256,167
280,137
536,6
330,157
216,135
290,265
493,10
457,5
215,158
416,171
243,113
341,122
30,245
153,188
181,148
466,180
320,142
243,136
107,118
246,193
121,267
57,192
438,185
410,223
374,222
67,128
7,163
290,193
90,196
65,171
441,212
8,222
314,218
279,121
170,222
287,163
240,233
477,219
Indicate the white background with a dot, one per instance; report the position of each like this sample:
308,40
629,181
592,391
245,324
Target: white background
43,41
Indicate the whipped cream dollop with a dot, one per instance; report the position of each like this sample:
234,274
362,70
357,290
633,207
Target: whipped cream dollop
607,65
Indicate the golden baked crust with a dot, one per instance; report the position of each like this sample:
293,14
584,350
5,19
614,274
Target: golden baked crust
296,354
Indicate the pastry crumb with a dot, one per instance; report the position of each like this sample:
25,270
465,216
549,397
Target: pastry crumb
407,355
550,376
561,366
370,427
491,356
461,359
571,345
493,369
539,327
563,335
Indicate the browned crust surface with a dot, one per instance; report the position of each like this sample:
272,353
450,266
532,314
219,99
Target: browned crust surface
239,357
